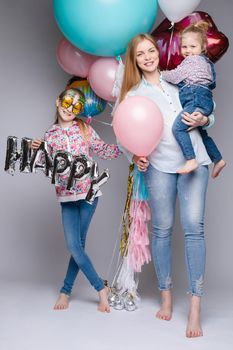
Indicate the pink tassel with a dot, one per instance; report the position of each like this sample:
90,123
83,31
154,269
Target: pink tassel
138,248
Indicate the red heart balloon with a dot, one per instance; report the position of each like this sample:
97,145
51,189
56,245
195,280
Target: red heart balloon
168,39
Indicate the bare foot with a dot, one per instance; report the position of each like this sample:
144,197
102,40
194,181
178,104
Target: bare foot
189,166
165,311
194,326
218,168
62,302
103,300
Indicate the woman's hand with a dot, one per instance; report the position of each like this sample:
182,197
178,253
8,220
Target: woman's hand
194,120
36,143
141,162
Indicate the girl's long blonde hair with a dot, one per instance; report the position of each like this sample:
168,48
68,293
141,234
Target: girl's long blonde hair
81,123
132,73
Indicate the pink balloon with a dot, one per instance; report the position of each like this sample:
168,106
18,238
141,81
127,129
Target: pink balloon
138,124
102,76
72,60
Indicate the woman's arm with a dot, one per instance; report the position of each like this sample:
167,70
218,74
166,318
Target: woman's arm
141,162
197,119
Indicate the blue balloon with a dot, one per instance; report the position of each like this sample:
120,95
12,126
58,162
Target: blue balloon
104,28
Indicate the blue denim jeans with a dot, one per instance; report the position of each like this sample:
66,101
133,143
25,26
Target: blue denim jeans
76,218
195,98
191,190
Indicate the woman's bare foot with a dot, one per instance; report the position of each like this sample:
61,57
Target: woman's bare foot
62,302
165,311
103,300
218,168
189,166
194,326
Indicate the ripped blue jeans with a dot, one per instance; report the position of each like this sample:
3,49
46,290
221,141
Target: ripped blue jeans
191,190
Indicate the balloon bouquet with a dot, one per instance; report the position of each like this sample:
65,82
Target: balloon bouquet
96,32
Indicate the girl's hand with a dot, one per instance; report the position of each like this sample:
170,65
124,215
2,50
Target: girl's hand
36,143
141,162
194,120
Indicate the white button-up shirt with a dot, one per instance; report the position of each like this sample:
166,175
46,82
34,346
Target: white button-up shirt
168,157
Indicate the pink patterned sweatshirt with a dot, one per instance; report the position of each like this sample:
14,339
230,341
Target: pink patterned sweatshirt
71,140
193,70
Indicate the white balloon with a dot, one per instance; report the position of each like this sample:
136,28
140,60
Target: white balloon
175,10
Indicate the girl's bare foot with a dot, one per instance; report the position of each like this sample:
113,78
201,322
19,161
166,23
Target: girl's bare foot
194,326
62,302
103,300
189,166
218,168
165,311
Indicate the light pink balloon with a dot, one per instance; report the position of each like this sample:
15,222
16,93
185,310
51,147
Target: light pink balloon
138,125
72,60
102,76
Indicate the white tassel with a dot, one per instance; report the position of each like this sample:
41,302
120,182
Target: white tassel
126,278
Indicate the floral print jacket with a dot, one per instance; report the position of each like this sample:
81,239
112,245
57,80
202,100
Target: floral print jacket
72,140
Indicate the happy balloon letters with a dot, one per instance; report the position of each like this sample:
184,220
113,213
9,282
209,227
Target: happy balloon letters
76,168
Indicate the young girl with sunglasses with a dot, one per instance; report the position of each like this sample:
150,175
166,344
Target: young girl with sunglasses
73,135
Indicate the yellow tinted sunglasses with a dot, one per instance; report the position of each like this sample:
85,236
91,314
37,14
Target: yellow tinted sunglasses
77,107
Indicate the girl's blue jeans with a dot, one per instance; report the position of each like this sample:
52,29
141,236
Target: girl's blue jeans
191,190
76,218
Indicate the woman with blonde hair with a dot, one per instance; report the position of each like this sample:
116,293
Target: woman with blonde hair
142,78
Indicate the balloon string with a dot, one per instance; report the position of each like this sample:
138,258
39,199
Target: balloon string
169,47
101,122
123,227
110,105
118,58
119,259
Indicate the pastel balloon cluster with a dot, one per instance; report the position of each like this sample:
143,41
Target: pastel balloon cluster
95,31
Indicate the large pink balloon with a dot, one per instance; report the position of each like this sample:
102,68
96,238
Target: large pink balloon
72,60
138,125
102,76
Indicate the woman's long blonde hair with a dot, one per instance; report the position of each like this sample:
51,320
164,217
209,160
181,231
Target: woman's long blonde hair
132,73
82,125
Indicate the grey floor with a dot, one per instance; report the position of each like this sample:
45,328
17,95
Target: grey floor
28,322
